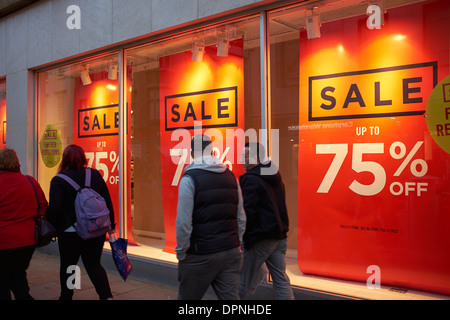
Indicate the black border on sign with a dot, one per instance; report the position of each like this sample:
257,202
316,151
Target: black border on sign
95,135
235,89
433,64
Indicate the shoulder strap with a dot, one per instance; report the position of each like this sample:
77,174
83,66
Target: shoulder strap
35,193
87,182
70,181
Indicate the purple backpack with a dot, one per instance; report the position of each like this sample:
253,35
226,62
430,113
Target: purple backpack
90,208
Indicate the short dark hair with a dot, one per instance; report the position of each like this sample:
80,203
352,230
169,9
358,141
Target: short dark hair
195,143
73,158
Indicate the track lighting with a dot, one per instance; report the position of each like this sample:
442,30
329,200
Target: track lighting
198,50
223,45
313,25
85,78
112,71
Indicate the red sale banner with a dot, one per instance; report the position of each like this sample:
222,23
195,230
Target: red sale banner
198,97
96,130
373,185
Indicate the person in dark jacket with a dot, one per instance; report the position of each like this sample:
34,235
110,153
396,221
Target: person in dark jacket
209,226
61,213
265,237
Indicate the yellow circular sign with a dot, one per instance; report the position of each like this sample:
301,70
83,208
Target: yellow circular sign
438,114
50,146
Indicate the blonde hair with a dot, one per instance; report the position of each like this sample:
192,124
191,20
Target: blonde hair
8,159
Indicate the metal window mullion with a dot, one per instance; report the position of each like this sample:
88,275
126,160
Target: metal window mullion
122,145
265,80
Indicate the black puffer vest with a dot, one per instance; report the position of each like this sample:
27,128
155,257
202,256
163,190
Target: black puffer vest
214,220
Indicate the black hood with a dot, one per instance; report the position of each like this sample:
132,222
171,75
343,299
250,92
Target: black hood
272,179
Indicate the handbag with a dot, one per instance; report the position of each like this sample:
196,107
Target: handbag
119,254
45,231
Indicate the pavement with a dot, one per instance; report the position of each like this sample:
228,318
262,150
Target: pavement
43,280
149,280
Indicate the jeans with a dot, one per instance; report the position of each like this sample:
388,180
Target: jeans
13,276
272,252
220,270
71,247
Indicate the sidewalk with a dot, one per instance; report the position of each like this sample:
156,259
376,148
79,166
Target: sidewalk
153,280
150,279
43,279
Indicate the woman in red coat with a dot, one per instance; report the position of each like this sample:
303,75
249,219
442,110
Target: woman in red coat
18,209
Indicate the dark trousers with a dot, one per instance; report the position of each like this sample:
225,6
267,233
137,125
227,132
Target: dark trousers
220,270
13,276
71,247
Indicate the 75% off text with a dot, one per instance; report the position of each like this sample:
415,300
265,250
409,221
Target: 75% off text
397,151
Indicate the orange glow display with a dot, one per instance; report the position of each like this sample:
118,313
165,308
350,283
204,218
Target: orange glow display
373,185
193,94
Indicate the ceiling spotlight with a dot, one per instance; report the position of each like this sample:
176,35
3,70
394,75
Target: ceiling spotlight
223,45
112,71
313,25
85,78
197,51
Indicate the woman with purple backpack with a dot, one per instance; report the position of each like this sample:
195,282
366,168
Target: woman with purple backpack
61,213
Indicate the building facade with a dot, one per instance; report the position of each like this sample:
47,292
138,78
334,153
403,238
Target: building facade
349,97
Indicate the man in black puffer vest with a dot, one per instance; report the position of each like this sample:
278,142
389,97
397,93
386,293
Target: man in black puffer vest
209,227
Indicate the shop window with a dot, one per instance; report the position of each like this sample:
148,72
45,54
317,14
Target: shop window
78,104
180,87
359,102
2,114
284,77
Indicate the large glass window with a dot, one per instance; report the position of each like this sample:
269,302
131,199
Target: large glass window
78,103
360,99
207,81
284,31
361,138
2,114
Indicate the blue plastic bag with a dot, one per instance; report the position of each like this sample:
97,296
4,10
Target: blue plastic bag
119,254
